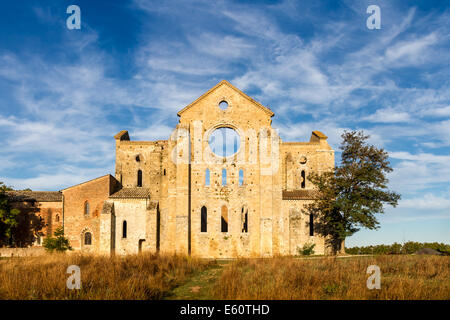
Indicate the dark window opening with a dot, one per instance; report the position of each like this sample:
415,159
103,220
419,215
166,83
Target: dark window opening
139,178
141,241
204,220
57,218
244,213
87,238
311,225
158,229
224,219
303,179
164,171
124,229
138,159
86,208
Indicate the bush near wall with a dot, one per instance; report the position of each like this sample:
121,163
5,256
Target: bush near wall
397,248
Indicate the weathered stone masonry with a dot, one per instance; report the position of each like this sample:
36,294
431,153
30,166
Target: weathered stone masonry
171,195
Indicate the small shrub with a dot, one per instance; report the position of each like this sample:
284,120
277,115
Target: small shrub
307,250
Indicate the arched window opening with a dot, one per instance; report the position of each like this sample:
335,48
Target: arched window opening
164,171
244,219
303,179
139,178
86,208
311,225
224,177
241,177
124,229
224,142
138,158
57,218
204,219
87,239
207,178
224,219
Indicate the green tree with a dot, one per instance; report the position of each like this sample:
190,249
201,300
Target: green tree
8,215
352,193
29,226
58,243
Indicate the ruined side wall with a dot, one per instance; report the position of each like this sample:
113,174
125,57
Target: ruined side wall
297,232
137,217
313,156
319,157
150,162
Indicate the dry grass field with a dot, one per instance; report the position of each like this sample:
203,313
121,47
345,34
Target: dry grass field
133,277
175,277
402,277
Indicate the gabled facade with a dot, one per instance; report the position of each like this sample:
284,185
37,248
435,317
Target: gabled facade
178,195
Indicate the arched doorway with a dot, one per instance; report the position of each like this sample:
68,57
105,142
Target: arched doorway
140,245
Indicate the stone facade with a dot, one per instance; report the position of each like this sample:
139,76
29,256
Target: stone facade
180,196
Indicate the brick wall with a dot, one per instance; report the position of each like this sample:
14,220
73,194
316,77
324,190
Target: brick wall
76,222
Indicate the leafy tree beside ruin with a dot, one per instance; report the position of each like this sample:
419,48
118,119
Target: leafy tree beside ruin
8,216
352,193
18,227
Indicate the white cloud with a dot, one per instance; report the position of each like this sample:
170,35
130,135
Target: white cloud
411,52
388,115
428,202
437,112
425,158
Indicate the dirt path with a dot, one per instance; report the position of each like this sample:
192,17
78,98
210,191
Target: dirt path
199,286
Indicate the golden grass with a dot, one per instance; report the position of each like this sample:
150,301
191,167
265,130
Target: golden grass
139,277
402,277
149,276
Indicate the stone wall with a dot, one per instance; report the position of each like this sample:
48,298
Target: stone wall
140,226
22,252
174,172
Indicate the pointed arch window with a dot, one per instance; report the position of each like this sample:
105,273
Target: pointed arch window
124,229
87,238
139,178
204,219
207,178
224,219
224,177
241,177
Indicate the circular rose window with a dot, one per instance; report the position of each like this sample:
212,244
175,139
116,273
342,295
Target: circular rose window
224,142
223,105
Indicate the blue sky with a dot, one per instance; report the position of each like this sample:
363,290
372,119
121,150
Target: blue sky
134,64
